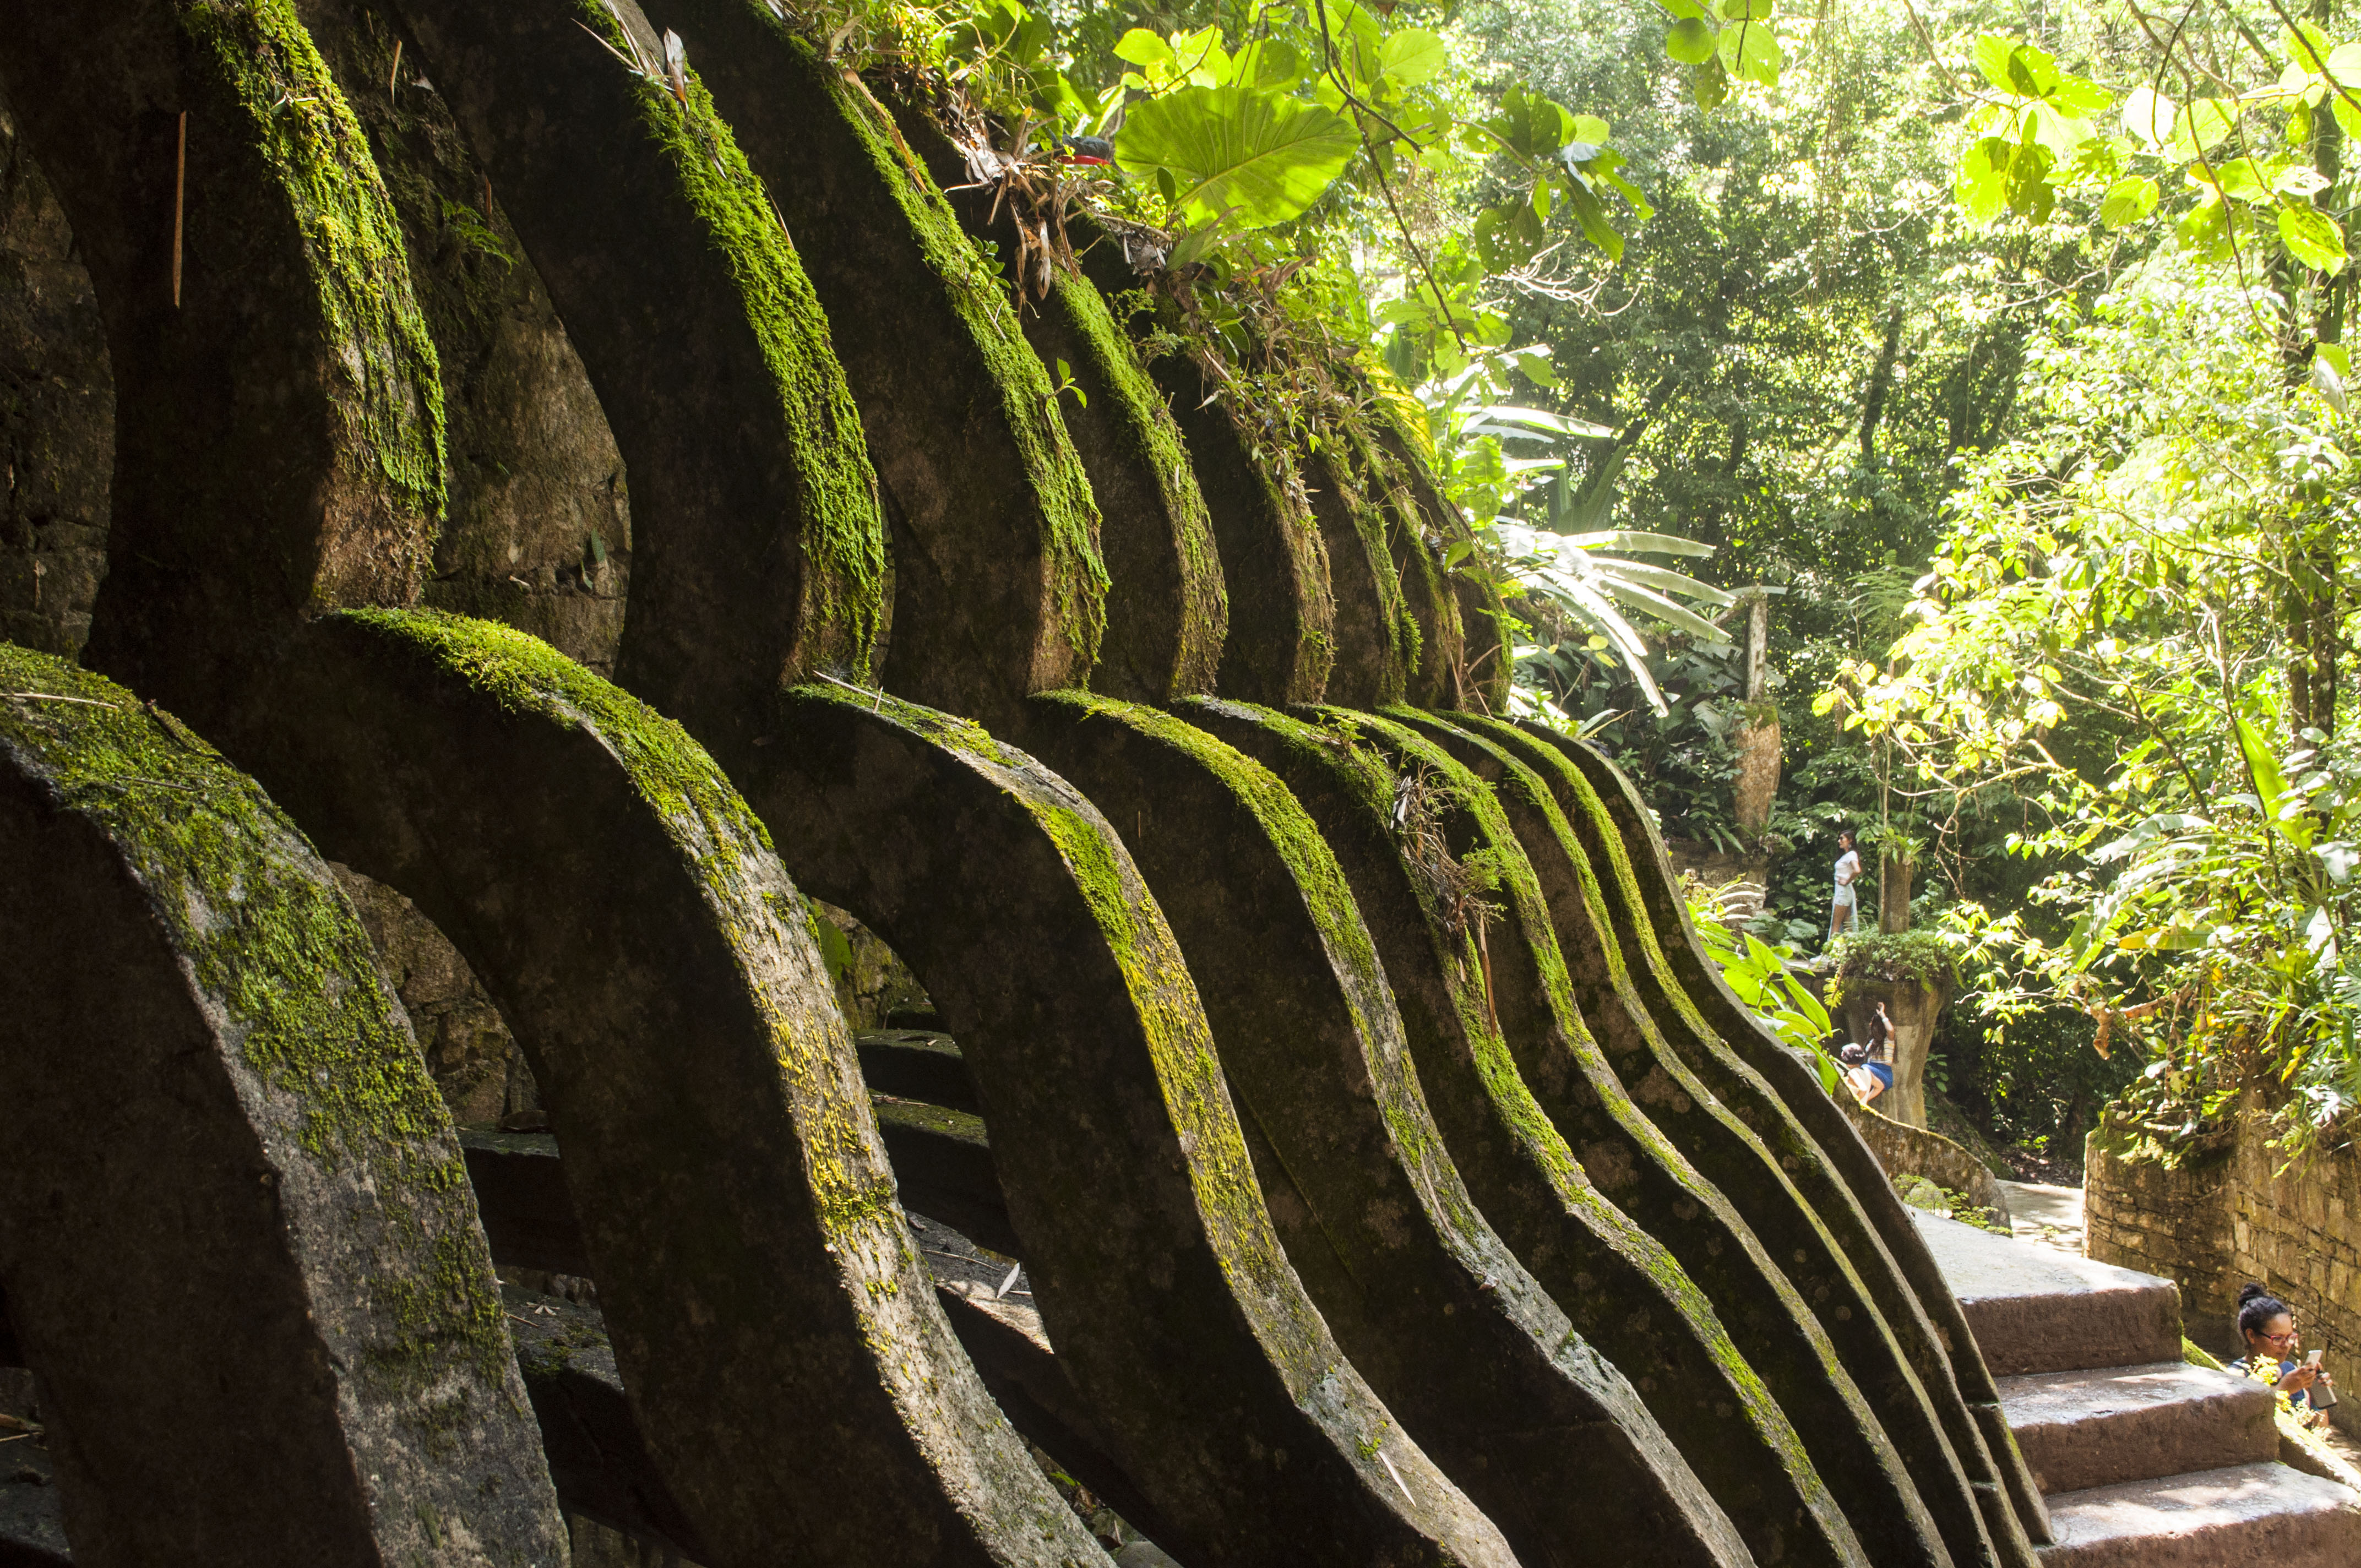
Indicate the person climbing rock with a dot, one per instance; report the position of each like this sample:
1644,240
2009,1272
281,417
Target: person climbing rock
1845,902
2266,1327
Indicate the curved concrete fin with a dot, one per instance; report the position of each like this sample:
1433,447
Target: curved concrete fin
1933,1432
1685,989
1483,619
777,1332
1415,524
1281,638
235,1223
1460,822
998,588
216,180
1376,639
1619,1286
1451,1330
1609,914
1160,1278
1166,611
759,540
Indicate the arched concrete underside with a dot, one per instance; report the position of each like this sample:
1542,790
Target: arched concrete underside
1931,1426
761,553
1282,616
1588,878
1460,1340
1686,986
776,1329
1616,1282
235,1235
277,403
1167,612
1154,1261
987,498
1869,1432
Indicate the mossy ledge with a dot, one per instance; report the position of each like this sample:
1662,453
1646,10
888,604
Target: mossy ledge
361,1261
991,507
843,532
302,127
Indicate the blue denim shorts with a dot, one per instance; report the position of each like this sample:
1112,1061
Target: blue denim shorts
1883,1071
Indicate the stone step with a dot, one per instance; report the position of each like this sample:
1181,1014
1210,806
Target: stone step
2102,1426
2034,1308
2242,1514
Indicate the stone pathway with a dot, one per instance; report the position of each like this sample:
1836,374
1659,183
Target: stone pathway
2051,1216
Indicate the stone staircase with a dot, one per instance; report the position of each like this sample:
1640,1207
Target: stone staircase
2143,1458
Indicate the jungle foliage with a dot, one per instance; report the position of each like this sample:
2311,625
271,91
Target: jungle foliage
2002,345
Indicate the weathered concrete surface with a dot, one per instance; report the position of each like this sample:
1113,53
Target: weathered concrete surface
783,1350
1166,611
1618,1285
1153,1258
473,1060
228,1170
1452,1331
2252,1515
539,529
1375,636
1281,638
1694,1005
998,589
2098,1427
1941,1446
1865,1429
308,449
1417,520
2036,1309
759,546
57,417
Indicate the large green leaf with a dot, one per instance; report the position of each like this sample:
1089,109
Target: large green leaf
1267,156
1412,56
2129,200
1691,40
2312,237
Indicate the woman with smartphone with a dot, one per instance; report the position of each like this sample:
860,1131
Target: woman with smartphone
2267,1327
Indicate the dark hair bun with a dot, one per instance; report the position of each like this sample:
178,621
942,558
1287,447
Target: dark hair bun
2250,1293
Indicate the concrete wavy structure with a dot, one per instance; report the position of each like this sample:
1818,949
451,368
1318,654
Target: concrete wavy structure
1358,1229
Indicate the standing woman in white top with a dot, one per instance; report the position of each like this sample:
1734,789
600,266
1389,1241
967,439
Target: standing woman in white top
1842,906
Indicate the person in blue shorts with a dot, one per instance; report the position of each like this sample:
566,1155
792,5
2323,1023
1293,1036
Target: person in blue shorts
1872,1074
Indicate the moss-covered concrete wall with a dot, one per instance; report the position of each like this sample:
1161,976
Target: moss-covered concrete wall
538,531
57,416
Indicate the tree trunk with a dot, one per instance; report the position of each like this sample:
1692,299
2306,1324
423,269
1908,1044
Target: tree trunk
1894,874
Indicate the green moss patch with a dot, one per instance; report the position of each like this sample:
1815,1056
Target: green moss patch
303,128
274,944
